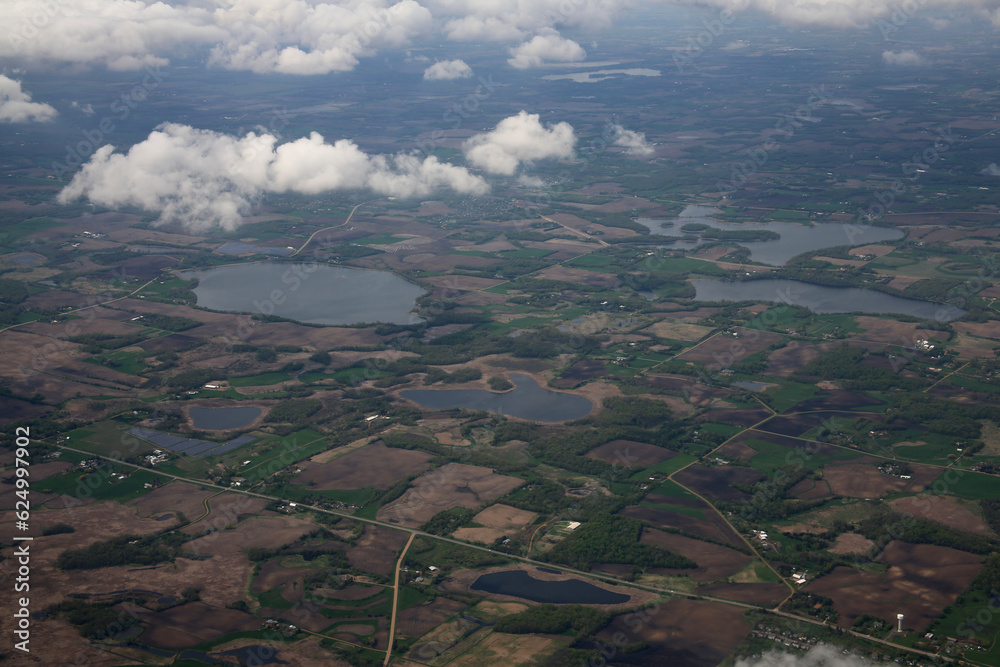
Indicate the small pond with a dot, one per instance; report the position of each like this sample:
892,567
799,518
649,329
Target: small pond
527,400
519,583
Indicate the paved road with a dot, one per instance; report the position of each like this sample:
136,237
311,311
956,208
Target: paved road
565,570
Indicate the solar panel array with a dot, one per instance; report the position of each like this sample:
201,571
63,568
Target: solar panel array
191,447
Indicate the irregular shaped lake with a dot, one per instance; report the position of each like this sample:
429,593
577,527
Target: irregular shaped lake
519,583
795,239
312,293
221,419
823,300
527,400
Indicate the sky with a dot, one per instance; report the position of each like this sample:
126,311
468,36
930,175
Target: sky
204,178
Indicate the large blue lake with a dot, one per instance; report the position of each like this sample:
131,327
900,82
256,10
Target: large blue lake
795,238
823,300
312,293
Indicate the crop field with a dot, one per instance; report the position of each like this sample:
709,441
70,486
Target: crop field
687,632
192,624
182,497
422,618
268,532
691,516
714,561
630,454
763,594
717,482
452,485
721,351
376,550
373,465
495,522
855,480
921,580
945,511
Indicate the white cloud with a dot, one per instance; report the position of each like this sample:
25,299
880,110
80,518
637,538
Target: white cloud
821,655
87,109
508,20
447,69
902,58
532,182
548,46
116,35
200,178
736,45
322,36
16,105
517,139
302,37
279,36
845,13
633,142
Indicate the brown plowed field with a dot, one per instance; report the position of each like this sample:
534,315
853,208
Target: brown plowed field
268,532
714,561
376,549
495,522
680,633
921,581
373,465
712,527
451,485
721,351
865,481
421,619
173,497
716,482
192,623
944,511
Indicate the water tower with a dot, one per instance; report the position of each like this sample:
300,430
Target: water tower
899,618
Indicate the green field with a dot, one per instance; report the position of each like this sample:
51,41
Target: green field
261,380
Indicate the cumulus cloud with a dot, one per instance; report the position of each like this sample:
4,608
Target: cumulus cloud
532,182
283,36
475,20
518,139
633,142
821,655
274,36
548,46
16,105
447,69
87,109
322,36
201,178
902,58
736,45
302,37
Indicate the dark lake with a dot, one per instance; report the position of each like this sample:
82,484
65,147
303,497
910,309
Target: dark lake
221,419
795,238
519,583
311,293
527,400
823,300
